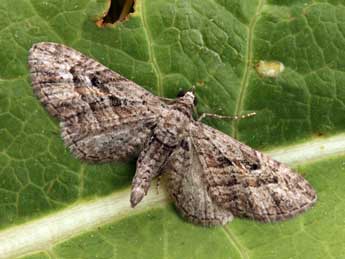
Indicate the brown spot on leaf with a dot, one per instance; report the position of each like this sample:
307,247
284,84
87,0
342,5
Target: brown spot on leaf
200,83
119,11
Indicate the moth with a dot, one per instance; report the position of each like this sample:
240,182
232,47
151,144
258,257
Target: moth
211,177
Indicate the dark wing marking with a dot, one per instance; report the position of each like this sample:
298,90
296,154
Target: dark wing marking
103,115
247,182
186,187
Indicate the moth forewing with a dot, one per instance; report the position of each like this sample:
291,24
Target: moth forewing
247,182
105,117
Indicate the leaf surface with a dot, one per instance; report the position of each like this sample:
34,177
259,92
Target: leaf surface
166,45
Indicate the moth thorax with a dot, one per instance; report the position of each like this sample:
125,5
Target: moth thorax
184,107
185,104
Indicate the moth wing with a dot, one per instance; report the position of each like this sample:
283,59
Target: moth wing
189,193
103,115
247,182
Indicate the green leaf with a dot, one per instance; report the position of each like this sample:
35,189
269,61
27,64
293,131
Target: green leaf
166,45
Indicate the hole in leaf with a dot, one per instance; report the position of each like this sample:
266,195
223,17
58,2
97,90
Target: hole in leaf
118,11
320,134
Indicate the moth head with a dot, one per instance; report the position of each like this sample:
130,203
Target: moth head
188,96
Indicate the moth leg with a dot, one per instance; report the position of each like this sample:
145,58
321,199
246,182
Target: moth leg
150,162
167,100
217,116
158,182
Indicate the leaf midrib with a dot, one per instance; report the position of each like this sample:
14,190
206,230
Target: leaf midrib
47,231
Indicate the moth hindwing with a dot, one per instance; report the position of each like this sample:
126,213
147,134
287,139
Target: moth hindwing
211,176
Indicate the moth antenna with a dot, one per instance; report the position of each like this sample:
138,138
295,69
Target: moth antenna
235,117
192,89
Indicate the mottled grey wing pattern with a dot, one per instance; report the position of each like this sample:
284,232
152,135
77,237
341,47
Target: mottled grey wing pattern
103,115
188,190
212,177
246,182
